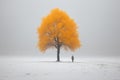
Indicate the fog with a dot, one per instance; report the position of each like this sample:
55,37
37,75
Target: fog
98,25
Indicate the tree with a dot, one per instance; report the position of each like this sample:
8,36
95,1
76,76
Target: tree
58,30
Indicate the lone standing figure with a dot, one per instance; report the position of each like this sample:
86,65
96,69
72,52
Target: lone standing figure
72,57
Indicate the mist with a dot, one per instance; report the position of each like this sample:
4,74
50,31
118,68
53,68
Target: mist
98,24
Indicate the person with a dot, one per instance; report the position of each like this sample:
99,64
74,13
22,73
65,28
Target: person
72,58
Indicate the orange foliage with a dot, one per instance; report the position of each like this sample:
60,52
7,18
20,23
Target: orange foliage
58,29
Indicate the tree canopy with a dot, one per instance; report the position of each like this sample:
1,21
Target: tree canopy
58,30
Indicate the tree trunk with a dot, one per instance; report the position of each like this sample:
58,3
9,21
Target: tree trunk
58,53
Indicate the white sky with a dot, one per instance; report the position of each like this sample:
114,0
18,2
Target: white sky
98,21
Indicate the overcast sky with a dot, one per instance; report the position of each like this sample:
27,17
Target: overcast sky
98,21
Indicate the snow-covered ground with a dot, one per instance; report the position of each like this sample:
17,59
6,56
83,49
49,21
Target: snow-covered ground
22,68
